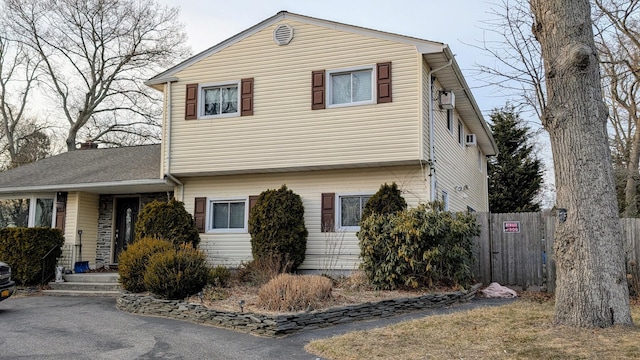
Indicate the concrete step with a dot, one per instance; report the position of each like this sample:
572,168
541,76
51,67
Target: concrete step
85,286
81,293
110,278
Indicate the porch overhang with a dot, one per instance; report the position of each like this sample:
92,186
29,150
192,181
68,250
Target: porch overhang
113,187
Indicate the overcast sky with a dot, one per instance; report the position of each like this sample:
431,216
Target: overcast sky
457,23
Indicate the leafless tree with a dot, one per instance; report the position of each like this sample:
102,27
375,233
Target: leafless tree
618,41
516,64
96,55
591,284
19,71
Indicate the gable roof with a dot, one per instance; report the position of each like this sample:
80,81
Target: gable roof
112,170
438,55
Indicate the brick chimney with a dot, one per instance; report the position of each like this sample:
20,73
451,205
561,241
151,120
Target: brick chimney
88,144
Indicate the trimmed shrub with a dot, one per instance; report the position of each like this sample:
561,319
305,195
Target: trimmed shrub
219,276
132,262
419,247
167,220
177,273
388,200
23,249
288,292
276,225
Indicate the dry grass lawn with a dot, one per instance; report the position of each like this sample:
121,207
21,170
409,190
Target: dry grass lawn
520,330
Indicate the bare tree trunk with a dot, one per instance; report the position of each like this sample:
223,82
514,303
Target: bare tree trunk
591,286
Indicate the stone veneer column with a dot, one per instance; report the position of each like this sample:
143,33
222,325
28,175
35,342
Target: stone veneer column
105,222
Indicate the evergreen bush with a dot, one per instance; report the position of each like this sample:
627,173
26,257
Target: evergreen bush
133,261
387,200
167,220
220,276
23,249
276,225
177,273
420,247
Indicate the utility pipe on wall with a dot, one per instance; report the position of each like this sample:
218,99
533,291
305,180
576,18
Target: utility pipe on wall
432,161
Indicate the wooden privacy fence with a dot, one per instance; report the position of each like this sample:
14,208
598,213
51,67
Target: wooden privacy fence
516,249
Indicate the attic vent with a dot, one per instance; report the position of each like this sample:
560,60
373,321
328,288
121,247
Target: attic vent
283,34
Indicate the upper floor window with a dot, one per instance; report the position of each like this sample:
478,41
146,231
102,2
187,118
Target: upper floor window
450,120
351,86
218,100
228,215
212,100
460,133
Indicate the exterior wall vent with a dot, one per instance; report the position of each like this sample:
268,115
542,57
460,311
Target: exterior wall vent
283,34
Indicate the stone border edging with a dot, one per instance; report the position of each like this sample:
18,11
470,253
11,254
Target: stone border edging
285,324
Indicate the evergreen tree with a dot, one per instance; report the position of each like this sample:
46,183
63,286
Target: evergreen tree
515,175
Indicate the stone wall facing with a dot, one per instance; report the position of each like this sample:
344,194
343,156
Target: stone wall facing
286,324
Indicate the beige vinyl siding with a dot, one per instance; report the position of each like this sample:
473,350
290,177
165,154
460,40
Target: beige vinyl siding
82,214
232,248
284,132
457,166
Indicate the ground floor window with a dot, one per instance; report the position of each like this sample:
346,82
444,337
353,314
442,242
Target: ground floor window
34,211
350,210
228,215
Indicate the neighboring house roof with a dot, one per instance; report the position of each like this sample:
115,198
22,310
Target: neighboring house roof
112,170
435,53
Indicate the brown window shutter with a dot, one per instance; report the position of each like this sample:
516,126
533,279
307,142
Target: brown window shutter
246,97
61,210
200,213
384,82
191,105
317,90
253,199
328,212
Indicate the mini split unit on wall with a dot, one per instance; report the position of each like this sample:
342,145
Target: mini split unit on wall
447,100
470,140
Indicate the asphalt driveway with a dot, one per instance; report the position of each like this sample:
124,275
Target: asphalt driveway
41,327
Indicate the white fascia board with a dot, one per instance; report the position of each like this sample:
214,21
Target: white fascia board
63,187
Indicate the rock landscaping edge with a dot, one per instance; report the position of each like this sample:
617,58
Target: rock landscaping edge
285,324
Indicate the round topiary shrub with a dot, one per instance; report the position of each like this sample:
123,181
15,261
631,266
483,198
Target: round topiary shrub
177,273
132,262
276,225
388,200
167,220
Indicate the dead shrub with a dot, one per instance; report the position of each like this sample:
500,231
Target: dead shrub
356,281
288,292
259,271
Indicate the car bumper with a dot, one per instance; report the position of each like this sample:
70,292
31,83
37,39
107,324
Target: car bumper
6,290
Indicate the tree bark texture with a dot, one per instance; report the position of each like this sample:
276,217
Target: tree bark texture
591,288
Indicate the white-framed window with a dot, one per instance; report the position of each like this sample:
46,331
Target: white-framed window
351,86
349,210
450,121
219,100
460,133
480,160
445,200
228,215
27,211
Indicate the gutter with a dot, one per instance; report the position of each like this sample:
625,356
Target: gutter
432,161
168,137
75,187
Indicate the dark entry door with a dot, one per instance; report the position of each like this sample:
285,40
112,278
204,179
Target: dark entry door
126,215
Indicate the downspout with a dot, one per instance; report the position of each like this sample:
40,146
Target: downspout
168,171
432,161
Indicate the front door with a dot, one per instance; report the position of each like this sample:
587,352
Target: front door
126,215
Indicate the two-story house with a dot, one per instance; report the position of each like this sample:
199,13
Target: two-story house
331,110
